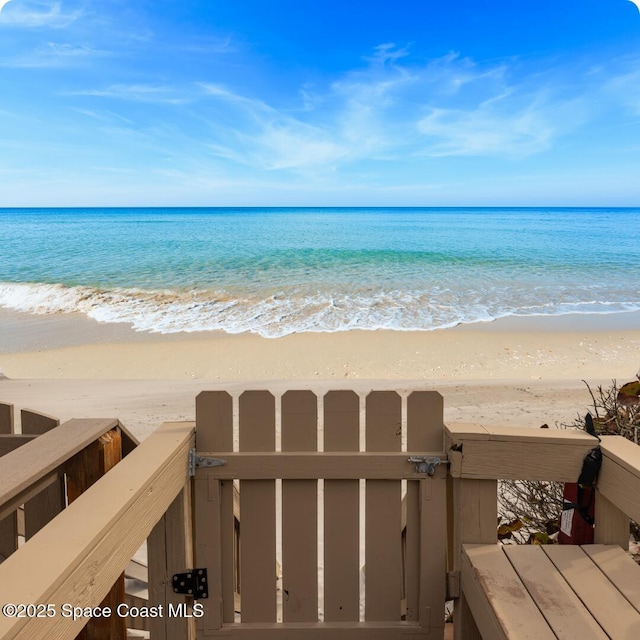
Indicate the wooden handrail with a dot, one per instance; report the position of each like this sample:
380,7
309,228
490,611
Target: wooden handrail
516,453
33,466
76,558
619,479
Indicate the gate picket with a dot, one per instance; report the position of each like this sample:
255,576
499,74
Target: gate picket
257,513
299,512
341,513
383,540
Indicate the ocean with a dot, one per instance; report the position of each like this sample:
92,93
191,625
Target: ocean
276,271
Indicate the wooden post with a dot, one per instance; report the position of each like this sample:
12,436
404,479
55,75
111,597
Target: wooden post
8,525
612,524
50,502
475,512
83,470
170,549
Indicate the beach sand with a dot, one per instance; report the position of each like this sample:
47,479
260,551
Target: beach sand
514,371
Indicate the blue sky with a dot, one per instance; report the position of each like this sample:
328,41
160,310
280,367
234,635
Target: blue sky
299,103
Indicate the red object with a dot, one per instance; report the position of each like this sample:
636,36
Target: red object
577,518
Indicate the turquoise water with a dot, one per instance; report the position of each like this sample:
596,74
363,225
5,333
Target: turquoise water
279,271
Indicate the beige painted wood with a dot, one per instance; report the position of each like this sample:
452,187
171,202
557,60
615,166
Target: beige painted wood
426,526
6,418
522,460
620,568
82,471
501,605
612,524
433,554
425,427
299,411
8,524
37,423
341,512
614,614
170,551
383,542
10,442
622,451
328,465
458,432
25,471
51,501
78,556
213,513
563,610
619,479
324,631
257,512
475,513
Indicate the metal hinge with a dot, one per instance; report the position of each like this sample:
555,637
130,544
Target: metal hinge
198,462
426,464
192,583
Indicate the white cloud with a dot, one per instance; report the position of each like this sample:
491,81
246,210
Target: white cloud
54,54
137,93
37,13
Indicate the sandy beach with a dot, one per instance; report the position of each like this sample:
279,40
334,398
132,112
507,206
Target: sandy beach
514,371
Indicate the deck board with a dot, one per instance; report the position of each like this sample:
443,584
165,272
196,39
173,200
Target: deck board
552,591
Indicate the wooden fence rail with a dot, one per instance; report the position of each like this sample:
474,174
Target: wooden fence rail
80,554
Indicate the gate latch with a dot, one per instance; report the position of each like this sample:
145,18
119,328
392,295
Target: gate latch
197,462
192,583
425,464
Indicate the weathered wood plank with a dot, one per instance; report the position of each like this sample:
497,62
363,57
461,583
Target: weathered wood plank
80,553
425,426
619,479
213,513
341,512
51,501
425,501
524,459
383,542
170,551
28,469
563,610
612,524
8,442
329,465
257,513
6,418
613,613
620,568
324,631
462,431
299,410
37,423
475,513
84,470
501,606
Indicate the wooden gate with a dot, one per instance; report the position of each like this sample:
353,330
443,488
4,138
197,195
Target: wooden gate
336,484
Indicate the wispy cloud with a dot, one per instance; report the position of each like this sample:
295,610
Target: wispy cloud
37,13
137,93
55,54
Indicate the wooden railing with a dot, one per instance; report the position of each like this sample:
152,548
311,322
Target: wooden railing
78,560
82,552
480,456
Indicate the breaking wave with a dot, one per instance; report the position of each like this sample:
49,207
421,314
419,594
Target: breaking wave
278,313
